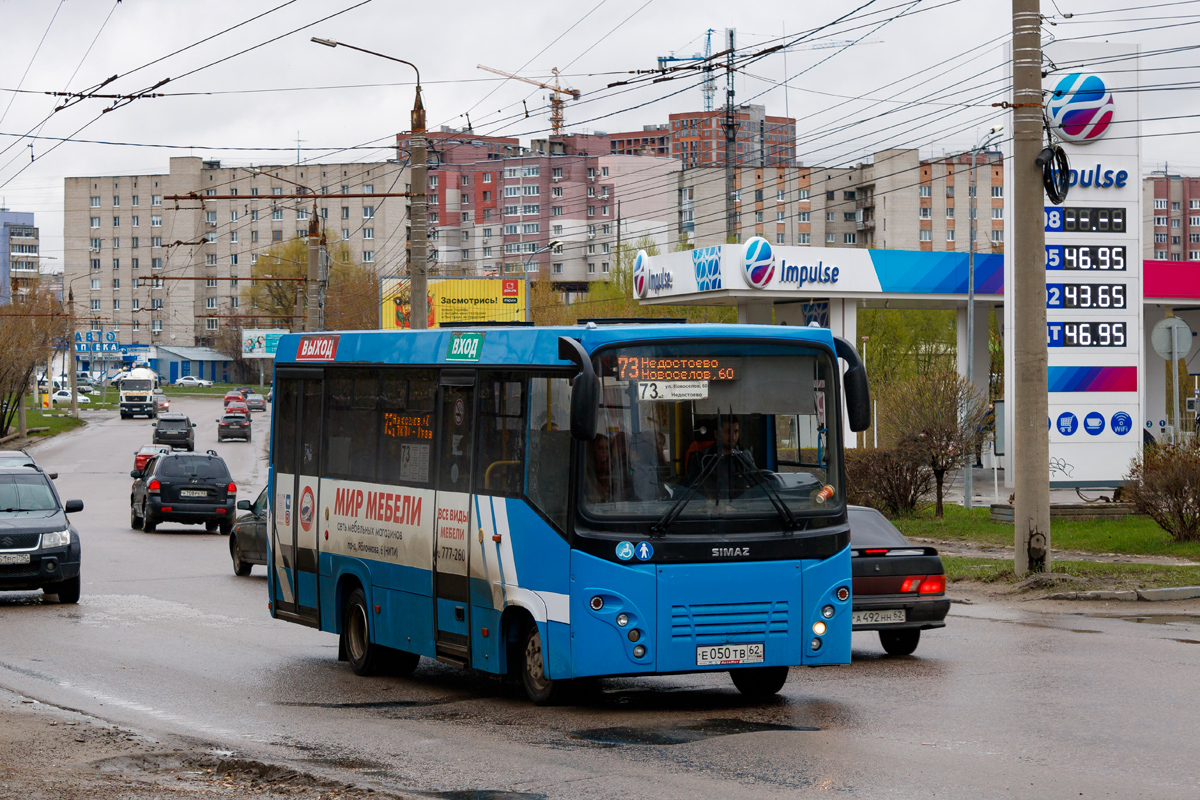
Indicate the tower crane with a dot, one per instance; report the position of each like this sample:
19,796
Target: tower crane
556,95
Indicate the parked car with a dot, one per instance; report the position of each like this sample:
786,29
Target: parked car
233,397
176,430
237,407
16,458
233,426
248,540
899,588
256,402
147,452
192,380
63,397
183,487
39,548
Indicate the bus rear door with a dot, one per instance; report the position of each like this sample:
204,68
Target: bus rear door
297,470
451,584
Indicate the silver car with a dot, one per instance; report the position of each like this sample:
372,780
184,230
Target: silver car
256,402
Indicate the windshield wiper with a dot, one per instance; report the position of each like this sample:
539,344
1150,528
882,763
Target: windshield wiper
660,527
751,472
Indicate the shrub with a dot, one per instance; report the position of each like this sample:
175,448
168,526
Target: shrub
893,481
1164,483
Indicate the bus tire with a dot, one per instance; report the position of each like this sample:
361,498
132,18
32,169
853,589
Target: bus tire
900,643
365,656
759,681
541,690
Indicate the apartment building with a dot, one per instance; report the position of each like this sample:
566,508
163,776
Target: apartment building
895,201
19,257
1171,227
161,258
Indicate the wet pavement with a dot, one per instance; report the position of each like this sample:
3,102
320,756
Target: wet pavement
1008,700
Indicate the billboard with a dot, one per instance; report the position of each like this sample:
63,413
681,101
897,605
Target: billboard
454,300
261,343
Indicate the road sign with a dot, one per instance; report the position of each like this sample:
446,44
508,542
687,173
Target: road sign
1166,332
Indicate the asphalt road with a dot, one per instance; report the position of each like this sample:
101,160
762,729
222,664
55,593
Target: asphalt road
1004,702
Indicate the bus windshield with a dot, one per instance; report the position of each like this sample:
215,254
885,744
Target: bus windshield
714,431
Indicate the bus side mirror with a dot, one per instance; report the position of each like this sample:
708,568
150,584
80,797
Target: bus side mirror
585,389
856,389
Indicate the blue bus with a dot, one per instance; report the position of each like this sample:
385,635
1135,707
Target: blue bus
561,503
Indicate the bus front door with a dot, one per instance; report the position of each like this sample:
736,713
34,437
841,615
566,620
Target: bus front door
294,536
451,584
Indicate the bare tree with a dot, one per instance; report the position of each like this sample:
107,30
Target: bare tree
351,297
939,415
29,330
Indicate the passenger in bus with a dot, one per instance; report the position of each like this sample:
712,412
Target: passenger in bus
599,471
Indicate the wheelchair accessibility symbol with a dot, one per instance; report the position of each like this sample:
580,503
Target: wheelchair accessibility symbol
625,551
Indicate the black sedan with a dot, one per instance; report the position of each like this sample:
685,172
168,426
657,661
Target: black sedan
182,487
899,588
248,541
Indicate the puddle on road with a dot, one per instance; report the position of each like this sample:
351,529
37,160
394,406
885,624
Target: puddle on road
377,704
1164,619
487,794
680,734
1187,641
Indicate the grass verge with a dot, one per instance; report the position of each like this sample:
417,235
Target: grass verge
1128,536
1074,575
55,422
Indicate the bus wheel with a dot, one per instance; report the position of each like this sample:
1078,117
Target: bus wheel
900,643
543,691
363,654
759,681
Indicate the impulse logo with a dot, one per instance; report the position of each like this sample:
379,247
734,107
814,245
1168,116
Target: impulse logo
1082,107
759,263
800,275
640,274
707,263
317,348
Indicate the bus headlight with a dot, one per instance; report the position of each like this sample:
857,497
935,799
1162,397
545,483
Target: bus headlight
815,644
597,603
639,651
634,635
622,620
827,612
819,628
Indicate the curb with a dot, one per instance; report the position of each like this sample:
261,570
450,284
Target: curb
1148,595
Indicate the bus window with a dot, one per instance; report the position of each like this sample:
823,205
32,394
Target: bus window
549,447
351,422
501,434
407,397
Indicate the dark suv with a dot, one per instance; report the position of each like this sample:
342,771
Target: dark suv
176,430
38,547
177,487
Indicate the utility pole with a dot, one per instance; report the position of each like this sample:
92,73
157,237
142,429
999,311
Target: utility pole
1031,439
69,356
730,126
322,283
418,252
311,321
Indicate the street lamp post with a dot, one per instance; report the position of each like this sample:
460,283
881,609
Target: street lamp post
418,209
969,476
525,269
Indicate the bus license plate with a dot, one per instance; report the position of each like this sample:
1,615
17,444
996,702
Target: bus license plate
192,493
722,654
878,617
14,558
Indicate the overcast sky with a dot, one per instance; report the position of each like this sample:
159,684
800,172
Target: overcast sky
946,54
